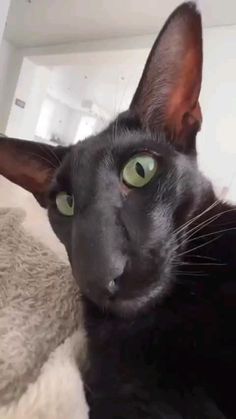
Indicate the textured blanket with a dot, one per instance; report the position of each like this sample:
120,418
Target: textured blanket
41,337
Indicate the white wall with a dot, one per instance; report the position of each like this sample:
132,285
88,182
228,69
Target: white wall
3,16
35,100
10,65
217,140
6,55
106,78
31,88
69,124
57,119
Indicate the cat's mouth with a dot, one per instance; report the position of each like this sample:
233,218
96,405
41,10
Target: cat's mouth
139,286
130,303
137,304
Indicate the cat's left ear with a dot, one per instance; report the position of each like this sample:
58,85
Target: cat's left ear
168,92
30,165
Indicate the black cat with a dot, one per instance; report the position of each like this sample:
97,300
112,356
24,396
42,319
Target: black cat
153,250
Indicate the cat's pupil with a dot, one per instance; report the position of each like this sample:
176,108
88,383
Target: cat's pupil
140,170
69,199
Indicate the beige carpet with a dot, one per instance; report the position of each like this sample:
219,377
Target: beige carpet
36,220
39,310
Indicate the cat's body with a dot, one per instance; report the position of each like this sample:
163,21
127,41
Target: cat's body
151,247
174,355
178,358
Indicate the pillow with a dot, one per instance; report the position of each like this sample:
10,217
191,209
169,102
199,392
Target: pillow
41,334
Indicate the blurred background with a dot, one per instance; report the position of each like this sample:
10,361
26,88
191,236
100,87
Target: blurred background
67,67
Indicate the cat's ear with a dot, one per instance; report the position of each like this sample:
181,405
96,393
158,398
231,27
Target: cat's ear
30,165
168,92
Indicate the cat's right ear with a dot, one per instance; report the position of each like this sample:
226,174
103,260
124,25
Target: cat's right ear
30,165
167,95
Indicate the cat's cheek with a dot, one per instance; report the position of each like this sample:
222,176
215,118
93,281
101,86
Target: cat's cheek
62,227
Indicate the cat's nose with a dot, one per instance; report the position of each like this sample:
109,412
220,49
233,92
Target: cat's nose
103,255
113,286
101,279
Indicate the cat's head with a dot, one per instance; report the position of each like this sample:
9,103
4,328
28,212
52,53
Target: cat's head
117,199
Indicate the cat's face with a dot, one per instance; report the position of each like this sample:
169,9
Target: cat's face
117,199
121,239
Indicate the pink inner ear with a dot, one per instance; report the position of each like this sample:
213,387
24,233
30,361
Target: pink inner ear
168,92
37,184
30,165
183,109
28,174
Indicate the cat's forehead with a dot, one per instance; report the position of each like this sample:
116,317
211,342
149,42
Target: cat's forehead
118,142
91,163
111,149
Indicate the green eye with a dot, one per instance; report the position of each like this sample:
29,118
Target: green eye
65,204
139,170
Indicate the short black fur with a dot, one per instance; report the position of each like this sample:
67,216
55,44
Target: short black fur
170,351
156,265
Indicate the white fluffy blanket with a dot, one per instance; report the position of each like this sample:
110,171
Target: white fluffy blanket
41,338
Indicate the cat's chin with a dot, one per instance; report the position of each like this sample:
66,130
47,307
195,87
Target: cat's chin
134,306
130,303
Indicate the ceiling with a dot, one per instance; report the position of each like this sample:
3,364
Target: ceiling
50,22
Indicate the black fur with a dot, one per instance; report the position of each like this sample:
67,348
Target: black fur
156,266
171,352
